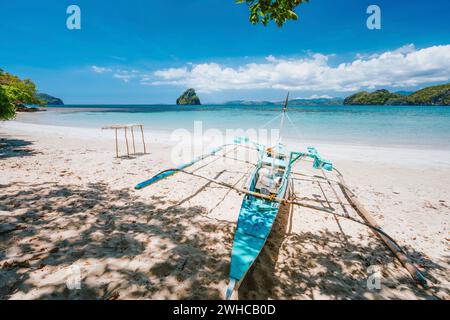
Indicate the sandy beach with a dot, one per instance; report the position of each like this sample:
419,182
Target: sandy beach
68,209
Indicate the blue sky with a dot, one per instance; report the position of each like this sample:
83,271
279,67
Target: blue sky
149,51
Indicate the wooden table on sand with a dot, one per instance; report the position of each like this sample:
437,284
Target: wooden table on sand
127,127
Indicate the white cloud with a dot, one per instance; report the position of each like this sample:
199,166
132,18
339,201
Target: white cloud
124,76
271,58
408,48
172,73
100,69
404,67
121,74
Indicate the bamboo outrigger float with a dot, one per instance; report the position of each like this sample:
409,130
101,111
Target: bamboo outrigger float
266,192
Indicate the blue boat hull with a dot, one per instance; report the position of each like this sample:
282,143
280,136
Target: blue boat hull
251,234
256,219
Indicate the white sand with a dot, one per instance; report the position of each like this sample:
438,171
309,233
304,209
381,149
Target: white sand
68,210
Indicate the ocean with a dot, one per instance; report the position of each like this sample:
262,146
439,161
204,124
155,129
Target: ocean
422,126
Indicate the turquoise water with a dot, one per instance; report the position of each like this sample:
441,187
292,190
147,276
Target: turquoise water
365,125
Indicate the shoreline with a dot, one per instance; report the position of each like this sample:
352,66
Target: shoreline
414,128
66,202
411,155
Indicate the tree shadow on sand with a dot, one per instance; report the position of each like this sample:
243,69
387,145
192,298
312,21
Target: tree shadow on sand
128,248
108,234
328,265
10,148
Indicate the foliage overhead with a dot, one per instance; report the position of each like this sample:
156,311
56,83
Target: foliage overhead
7,109
14,92
277,10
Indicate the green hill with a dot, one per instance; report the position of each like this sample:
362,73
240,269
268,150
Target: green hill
292,102
436,95
315,102
50,100
379,97
248,103
430,96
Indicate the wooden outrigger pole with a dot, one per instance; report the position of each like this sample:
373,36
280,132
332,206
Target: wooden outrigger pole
388,241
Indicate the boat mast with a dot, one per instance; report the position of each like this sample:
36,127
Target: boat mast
283,118
277,146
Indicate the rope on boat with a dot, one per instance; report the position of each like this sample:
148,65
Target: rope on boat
335,193
229,190
297,131
270,121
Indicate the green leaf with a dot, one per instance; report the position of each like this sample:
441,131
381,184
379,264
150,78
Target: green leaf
272,10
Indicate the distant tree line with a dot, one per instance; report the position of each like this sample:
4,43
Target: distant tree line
438,95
